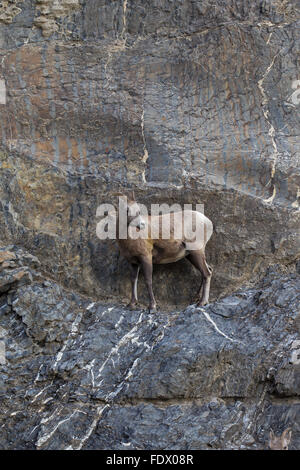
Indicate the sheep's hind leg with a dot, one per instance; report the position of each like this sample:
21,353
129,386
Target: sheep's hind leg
134,274
197,258
147,270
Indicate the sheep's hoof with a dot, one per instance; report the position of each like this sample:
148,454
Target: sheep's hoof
131,306
202,303
152,310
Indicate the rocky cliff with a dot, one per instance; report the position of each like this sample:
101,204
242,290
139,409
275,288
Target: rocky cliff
86,375
188,102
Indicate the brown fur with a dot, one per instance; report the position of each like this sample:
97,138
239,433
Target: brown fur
146,252
280,442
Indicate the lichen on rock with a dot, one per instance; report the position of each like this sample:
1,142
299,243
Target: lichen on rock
8,10
50,11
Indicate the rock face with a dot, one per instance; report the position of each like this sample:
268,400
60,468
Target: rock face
184,102
86,375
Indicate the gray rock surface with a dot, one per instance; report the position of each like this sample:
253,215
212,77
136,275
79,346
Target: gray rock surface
183,101
88,375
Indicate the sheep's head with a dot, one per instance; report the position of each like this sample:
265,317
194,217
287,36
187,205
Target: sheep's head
280,442
127,217
129,206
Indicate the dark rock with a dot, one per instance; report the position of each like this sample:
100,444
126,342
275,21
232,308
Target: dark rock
80,371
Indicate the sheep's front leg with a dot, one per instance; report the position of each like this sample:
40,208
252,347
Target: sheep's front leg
134,274
147,270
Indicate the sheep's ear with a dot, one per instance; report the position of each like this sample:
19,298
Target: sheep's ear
132,196
287,434
272,435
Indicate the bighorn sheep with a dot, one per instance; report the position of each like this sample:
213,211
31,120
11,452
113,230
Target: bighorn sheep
280,442
144,252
